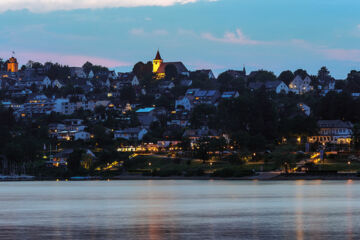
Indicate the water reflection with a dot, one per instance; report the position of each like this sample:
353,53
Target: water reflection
180,210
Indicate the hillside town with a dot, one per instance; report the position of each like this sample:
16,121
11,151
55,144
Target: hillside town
162,119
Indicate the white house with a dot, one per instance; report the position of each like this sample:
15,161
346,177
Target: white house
91,74
77,72
63,106
183,102
276,86
300,86
57,83
305,108
333,131
112,75
130,134
82,135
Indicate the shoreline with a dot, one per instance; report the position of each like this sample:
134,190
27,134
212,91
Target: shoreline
280,177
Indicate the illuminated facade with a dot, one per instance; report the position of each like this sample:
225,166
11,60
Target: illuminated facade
333,131
159,67
12,65
157,62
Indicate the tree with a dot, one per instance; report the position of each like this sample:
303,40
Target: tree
143,72
74,161
202,149
225,80
87,67
323,74
263,76
286,77
171,71
202,114
128,94
138,69
301,72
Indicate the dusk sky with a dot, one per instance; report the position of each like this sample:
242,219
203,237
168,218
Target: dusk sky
274,35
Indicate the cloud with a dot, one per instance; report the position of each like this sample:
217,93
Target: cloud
137,31
141,32
54,5
71,60
234,38
352,55
339,54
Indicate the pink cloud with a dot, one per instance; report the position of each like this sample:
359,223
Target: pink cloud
235,38
339,54
71,60
352,55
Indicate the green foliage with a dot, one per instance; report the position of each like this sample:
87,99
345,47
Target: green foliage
338,106
143,71
301,72
262,76
171,71
286,76
74,162
202,115
128,94
57,71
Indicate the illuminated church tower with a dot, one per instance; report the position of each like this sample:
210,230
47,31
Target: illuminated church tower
12,65
157,62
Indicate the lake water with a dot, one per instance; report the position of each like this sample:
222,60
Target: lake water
180,210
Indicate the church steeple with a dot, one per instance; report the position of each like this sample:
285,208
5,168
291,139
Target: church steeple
157,62
158,57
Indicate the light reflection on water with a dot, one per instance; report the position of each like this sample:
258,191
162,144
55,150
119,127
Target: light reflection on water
180,210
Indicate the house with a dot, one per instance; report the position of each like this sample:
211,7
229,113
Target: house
60,159
300,86
58,83
166,85
91,74
73,121
183,103
235,74
166,144
304,108
159,67
146,116
196,134
179,118
37,104
77,72
70,129
55,128
82,135
333,131
39,81
230,95
136,134
271,86
208,72
206,97
126,80
112,75
186,83
64,106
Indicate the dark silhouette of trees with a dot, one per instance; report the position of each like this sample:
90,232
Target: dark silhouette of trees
286,76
